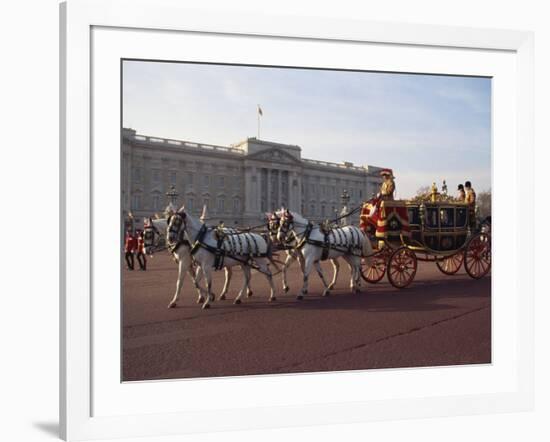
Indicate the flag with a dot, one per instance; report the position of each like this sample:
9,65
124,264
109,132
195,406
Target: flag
260,111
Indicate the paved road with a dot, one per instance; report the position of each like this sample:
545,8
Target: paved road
438,320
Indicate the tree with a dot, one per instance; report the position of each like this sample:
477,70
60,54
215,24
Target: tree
483,203
422,194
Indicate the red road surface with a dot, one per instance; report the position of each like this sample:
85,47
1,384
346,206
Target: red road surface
438,320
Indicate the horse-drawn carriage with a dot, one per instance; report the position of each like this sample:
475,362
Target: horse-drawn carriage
405,232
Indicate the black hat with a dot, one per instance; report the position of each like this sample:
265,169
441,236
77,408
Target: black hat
460,187
468,184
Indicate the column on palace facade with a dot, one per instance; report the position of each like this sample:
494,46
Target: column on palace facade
276,189
268,196
280,196
249,191
295,198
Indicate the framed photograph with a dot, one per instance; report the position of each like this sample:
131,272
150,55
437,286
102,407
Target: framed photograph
291,217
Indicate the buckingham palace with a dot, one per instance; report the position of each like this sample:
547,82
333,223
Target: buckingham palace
238,183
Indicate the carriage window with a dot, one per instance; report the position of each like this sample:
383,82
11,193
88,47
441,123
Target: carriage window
461,216
432,217
414,215
447,217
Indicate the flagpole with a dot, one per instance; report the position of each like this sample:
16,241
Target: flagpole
258,112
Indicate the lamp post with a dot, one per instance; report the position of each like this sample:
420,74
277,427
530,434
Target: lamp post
345,197
172,196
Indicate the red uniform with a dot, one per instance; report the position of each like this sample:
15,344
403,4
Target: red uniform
130,243
140,244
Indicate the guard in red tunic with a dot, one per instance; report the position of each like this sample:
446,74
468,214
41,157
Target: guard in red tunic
130,246
142,260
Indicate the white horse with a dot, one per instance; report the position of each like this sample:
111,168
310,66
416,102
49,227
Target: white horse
293,254
153,229
315,245
214,248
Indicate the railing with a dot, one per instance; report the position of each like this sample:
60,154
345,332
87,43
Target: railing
189,144
346,166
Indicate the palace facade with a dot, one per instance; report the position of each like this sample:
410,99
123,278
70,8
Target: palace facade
237,183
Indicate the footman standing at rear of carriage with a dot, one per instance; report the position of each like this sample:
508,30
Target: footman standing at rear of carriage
470,193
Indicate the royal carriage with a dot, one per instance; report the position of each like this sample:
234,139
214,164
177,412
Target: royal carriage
435,230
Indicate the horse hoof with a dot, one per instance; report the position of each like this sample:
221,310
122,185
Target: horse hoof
200,300
326,293
300,297
237,301
205,306
286,289
330,287
273,298
249,294
172,305
222,298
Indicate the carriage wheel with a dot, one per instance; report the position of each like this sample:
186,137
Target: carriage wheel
376,271
451,264
477,260
402,267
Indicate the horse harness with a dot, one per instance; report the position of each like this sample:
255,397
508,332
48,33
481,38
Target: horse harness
339,240
234,240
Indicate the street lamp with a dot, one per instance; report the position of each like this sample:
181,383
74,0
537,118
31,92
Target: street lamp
345,197
172,195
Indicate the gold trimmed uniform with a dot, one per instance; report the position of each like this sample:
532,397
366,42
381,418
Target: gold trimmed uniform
387,189
470,196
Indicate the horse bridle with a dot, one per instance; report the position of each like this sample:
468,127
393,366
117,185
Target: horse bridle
149,232
286,226
177,224
273,224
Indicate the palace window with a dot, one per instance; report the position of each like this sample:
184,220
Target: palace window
206,203
136,201
221,205
190,205
189,178
156,175
136,174
156,201
206,181
221,182
173,178
236,205
323,210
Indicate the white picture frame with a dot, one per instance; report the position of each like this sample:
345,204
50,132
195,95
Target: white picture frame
78,377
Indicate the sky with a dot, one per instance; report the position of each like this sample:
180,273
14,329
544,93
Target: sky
426,128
